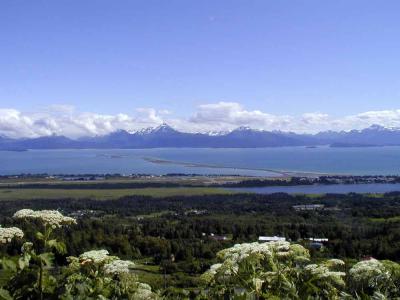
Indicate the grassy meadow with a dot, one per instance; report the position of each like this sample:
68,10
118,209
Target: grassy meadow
104,194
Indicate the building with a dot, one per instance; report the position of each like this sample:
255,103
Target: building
319,240
218,237
316,245
308,207
271,239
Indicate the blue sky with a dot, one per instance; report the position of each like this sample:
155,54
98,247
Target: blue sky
338,58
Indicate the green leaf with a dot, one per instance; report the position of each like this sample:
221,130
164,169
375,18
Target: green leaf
49,283
39,236
58,246
47,258
5,295
9,265
23,261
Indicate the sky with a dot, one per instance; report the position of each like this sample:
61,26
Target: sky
73,67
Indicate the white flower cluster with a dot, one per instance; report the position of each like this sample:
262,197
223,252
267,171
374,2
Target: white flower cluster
95,256
322,271
240,252
369,273
52,218
334,262
235,258
144,292
7,234
214,268
209,275
117,267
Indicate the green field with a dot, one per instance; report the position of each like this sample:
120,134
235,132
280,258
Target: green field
395,219
103,194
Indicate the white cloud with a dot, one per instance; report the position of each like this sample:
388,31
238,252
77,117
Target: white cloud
314,118
221,116
16,124
229,115
13,123
148,116
387,117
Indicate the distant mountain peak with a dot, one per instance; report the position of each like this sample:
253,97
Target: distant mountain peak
244,128
143,131
242,137
164,127
215,133
50,137
376,127
119,132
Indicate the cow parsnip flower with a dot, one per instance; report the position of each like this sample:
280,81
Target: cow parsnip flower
95,256
322,271
369,273
117,267
144,292
282,270
52,218
209,275
8,234
241,252
367,267
259,257
334,262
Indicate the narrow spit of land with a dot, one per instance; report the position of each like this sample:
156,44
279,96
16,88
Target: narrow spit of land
279,173
108,187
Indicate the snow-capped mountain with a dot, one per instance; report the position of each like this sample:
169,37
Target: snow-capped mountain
242,137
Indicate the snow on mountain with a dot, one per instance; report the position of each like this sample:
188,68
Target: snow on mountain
242,137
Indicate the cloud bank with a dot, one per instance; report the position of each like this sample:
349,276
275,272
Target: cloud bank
222,116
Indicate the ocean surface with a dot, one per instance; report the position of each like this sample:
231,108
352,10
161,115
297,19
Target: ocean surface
254,161
324,189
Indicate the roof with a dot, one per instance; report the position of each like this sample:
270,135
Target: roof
319,239
271,238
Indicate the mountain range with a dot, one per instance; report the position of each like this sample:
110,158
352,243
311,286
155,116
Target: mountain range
243,137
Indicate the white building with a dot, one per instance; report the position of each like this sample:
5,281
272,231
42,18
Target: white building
308,207
271,239
319,240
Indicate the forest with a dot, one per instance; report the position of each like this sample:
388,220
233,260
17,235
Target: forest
174,240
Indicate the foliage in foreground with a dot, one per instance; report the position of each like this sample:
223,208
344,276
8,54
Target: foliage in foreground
93,275
276,270
280,270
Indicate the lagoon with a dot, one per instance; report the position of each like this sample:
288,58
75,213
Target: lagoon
373,188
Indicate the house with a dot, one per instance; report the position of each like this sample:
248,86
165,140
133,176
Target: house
319,240
308,207
196,212
218,237
316,245
271,239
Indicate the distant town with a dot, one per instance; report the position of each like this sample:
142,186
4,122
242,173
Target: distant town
201,180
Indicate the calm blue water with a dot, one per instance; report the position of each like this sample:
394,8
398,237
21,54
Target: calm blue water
358,161
324,189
